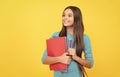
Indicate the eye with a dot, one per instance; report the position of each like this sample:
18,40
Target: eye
63,15
70,15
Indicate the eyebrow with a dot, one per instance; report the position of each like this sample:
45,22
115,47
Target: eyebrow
68,13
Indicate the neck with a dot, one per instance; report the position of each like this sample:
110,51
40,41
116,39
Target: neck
70,30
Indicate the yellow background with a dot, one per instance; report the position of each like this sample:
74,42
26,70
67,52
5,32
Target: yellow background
26,24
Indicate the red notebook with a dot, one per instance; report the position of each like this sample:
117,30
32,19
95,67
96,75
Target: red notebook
56,47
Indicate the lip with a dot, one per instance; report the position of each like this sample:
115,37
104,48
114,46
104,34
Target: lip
65,21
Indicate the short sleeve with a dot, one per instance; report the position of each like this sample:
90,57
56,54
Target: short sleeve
88,49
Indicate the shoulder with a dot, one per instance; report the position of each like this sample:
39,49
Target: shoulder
86,37
55,34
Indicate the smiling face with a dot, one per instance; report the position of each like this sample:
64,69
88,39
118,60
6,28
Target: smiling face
68,18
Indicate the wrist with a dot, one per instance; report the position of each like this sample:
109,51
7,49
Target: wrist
75,57
58,59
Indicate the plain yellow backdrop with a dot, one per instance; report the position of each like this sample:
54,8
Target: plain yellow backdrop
26,24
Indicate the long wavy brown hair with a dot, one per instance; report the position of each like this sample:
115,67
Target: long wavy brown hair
77,33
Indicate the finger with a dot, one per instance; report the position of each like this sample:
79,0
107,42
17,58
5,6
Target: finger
67,54
69,61
69,48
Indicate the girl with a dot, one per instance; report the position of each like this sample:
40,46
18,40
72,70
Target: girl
77,42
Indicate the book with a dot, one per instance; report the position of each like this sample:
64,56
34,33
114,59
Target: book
56,47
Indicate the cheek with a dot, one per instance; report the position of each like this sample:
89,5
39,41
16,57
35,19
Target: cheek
63,19
72,20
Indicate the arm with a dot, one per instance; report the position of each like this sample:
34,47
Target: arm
88,61
51,60
62,59
81,61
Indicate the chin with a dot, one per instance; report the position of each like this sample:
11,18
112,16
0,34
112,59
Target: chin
68,25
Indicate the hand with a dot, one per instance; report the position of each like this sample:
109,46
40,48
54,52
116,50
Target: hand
72,52
65,59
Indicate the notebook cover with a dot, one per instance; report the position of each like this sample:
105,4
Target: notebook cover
56,47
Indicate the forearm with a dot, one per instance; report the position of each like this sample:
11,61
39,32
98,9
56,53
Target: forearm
83,62
61,59
51,60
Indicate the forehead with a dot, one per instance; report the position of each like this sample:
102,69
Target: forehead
68,11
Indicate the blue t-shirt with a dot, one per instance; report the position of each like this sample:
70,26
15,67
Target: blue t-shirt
73,69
